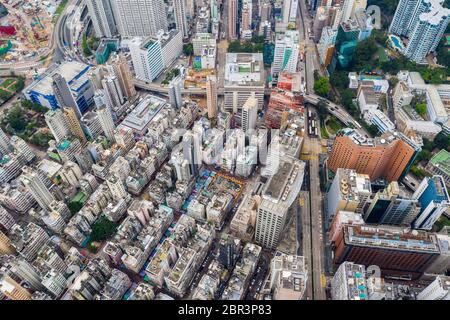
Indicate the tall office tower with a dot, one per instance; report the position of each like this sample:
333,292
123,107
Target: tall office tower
37,188
279,194
423,22
147,56
102,17
63,94
228,251
232,19
22,271
5,146
123,73
6,220
439,289
140,18
391,206
244,76
179,7
22,149
388,156
113,91
106,122
246,19
54,282
5,244
211,97
74,124
175,97
286,52
293,11
434,200
359,5
349,191
250,114
347,9
396,250
57,124
116,187
12,289
192,150
349,282
286,11
125,138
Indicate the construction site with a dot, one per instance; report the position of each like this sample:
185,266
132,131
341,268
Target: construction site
26,29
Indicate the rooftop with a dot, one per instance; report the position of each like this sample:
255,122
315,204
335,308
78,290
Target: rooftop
393,238
441,160
71,71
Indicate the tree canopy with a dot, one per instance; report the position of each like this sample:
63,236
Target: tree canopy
322,87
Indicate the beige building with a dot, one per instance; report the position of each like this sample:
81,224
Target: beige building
13,290
243,223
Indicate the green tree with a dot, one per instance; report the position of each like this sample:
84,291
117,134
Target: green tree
41,138
442,141
103,229
339,79
16,119
322,87
363,55
322,109
188,49
421,109
75,207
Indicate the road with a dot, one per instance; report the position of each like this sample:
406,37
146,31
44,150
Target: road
315,232
304,234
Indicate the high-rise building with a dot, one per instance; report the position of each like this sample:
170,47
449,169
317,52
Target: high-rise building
74,124
151,55
140,18
113,91
232,19
106,122
388,156
102,17
175,97
37,188
423,22
5,146
286,52
211,97
288,277
22,271
228,251
398,251
439,289
6,220
347,9
244,76
279,193
434,201
249,114
5,244
12,289
349,282
63,94
349,191
246,19
116,187
192,150
180,17
57,124
123,73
